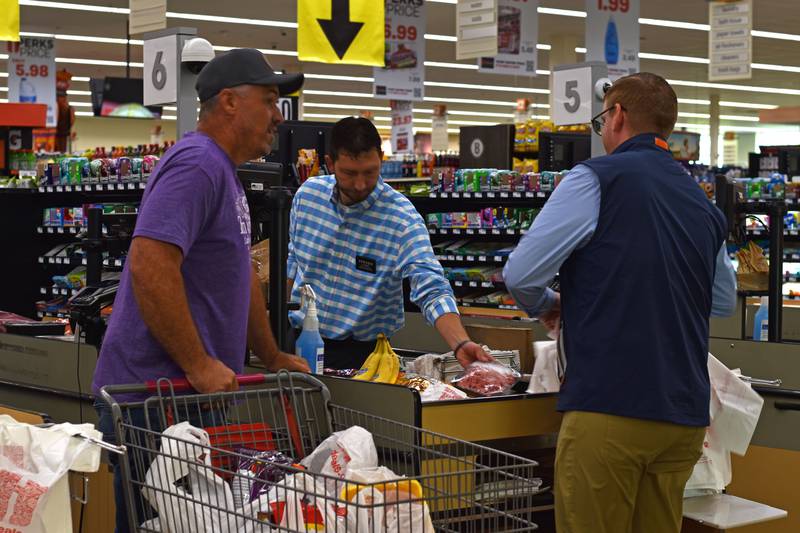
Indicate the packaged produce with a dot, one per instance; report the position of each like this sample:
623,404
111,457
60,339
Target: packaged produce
486,379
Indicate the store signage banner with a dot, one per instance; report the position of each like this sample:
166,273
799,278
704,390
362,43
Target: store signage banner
161,70
476,29
612,35
440,141
403,76
9,20
147,15
517,35
572,96
730,42
402,126
341,31
32,74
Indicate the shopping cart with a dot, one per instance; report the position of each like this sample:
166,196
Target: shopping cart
460,486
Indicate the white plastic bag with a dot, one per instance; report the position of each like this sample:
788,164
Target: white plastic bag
342,452
34,492
194,511
545,368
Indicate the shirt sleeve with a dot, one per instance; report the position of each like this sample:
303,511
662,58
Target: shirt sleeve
178,206
291,259
565,224
430,290
723,295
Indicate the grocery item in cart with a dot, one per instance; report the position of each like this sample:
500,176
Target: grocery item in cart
487,379
256,472
343,451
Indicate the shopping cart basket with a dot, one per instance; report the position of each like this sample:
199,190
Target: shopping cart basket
461,486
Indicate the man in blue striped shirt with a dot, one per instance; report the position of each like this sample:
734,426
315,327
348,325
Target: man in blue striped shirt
354,239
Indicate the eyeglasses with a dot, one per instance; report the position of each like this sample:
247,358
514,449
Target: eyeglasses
599,120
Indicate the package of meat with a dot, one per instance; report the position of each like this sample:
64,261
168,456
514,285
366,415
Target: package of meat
486,379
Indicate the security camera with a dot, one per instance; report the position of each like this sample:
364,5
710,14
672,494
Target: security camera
601,88
196,53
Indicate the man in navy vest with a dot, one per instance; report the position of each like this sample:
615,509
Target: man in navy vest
641,258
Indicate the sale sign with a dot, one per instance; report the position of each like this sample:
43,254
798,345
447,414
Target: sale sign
403,76
402,126
517,35
612,35
32,74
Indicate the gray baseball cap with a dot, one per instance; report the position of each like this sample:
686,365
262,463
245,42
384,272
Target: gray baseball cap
243,66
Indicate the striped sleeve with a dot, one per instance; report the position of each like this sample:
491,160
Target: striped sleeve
291,260
430,290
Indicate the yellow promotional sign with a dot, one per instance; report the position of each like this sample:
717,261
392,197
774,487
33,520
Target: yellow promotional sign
9,20
341,31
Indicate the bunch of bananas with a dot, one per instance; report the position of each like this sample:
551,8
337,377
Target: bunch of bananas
382,365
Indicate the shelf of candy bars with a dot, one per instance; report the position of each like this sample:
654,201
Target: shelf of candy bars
121,168
489,221
491,183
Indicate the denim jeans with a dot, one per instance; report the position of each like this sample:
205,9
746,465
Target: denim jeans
136,417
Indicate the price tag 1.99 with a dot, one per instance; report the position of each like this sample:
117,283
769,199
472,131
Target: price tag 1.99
572,96
160,70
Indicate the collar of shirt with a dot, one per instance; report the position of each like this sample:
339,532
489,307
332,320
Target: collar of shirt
360,207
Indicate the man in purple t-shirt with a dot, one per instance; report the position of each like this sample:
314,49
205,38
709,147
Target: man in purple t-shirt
189,302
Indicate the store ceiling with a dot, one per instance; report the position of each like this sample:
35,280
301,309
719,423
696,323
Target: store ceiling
779,57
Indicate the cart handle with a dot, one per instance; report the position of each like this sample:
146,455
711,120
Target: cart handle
182,384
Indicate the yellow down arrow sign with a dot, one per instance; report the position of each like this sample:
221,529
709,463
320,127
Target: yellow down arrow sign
341,31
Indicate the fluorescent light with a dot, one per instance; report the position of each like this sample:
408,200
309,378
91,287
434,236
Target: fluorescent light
75,7
561,12
693,115
337,78
500,88
3,74
779,68
446,38
338,93
3,89
83,38
325,115
347,106
580,50
80,104
693,101
80,78
451,65
79,93
674,24
102,62
668,57
84,114
775,35
747,106
742,118
232,20
541,46
169,117
469,101
733,87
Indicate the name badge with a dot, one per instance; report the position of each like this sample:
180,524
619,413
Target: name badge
366,264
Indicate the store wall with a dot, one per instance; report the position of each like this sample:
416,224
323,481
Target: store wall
91,132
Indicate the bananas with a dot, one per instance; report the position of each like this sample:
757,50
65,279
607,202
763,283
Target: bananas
382,365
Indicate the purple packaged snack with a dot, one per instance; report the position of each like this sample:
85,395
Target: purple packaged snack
487,217
256,473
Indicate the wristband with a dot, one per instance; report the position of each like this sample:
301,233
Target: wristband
459,346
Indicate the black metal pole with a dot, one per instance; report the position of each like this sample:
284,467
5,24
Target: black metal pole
279,202
776,211
94,256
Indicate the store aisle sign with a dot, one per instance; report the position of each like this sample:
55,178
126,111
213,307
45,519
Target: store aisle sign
32,74
9,20
572,96
403,76
517,35
147,15
612,35
402,126
440,141
160,75
476,29
730,42
341,31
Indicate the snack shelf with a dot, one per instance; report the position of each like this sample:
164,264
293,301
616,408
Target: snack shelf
57,291
68,261
515,232
473,259
478,284
94,187
489,195
59,230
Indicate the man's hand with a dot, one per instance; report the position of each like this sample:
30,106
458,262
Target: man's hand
292,363
212,376
551,319
471,352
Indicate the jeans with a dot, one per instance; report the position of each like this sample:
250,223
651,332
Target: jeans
135,416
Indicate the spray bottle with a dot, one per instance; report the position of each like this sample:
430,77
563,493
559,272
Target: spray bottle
309,345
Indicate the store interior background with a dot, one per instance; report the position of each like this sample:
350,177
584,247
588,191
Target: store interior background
91,42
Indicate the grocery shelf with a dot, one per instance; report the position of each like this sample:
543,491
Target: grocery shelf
406,180
490,195
478,231
758,232
475,259
114,262
94,187
42,314
70,261
57,291
478,284
61,230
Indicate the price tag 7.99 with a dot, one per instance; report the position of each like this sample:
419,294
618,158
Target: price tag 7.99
160,70
573,96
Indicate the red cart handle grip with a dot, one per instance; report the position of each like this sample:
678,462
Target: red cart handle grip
182,384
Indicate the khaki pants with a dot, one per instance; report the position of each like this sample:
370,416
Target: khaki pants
622,475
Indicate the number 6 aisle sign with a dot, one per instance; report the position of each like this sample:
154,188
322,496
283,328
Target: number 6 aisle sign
572,96
160,70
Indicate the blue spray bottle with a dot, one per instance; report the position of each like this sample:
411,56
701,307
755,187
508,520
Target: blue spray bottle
612,42
309,345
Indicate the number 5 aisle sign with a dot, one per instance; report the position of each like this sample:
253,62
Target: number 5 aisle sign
32,74
341,31
612,35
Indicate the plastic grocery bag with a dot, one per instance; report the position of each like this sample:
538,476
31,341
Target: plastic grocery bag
342,452
545,376
205,506
296,503
34,492
734,410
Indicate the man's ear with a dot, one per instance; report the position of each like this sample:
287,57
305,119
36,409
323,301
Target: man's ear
329,163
